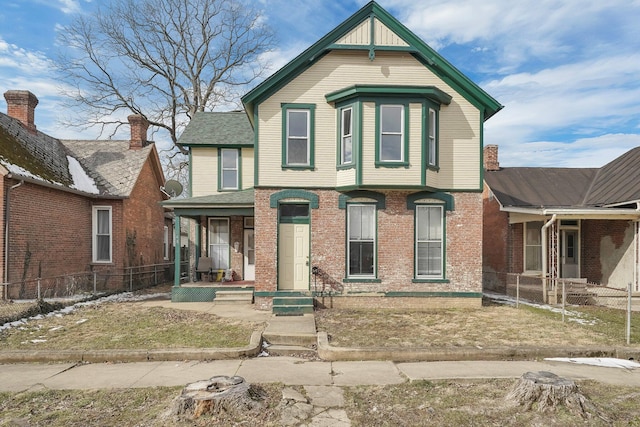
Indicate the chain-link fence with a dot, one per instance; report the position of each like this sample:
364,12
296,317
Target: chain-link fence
79,285
605,302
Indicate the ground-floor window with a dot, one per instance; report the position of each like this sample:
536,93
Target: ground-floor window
429,246
361,246
533,246
102,232
219,242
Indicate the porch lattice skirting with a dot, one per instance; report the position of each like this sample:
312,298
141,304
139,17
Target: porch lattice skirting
192,294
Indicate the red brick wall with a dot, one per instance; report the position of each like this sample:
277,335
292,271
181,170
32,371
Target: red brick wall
395,244
592,233
50,232
516,236
142,234
495,234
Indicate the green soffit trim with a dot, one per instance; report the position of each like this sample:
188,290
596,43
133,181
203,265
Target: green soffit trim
425,54
430,92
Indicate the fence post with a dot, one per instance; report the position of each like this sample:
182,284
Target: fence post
518,291
95,283
39,288
564,298
130,279
629,313
155,274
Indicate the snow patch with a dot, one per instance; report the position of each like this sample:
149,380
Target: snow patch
81,181
607,362
571,316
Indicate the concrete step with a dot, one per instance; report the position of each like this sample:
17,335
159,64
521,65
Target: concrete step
296,339
234,297
292,305
291,350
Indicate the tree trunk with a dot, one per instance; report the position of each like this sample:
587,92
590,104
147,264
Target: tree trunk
546,391
219,393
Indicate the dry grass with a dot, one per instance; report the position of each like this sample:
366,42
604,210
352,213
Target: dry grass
128,326
422,403
483,327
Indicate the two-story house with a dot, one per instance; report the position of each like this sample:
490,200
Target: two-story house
363,173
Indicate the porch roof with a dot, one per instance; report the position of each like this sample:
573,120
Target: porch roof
235,203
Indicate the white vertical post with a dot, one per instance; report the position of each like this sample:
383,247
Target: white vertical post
39,288
564,298
629,314
95,283
518,291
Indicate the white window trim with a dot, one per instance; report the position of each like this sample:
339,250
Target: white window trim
228,244
432,137
344,136
401,133
94,234
524,250
441,240
307,138
373,275
166,242
236,169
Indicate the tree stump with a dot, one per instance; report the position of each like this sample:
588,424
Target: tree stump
219,393
546,391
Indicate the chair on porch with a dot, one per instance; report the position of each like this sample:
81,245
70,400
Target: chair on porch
205,266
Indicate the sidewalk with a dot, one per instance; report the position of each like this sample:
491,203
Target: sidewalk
286,370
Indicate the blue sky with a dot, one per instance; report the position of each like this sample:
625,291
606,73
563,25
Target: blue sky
567,71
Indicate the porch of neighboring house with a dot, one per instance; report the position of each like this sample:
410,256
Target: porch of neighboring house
579,252
222,267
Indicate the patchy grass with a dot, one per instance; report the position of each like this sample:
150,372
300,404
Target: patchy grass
483,327
421,403
128,326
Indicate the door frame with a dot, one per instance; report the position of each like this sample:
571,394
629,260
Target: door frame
295,219
564,230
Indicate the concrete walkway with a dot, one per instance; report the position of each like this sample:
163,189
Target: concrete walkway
288,371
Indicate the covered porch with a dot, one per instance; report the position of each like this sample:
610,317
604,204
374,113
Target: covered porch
223,259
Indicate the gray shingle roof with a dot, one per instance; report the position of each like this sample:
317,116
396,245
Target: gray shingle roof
232,198
111,163
218,129
616,183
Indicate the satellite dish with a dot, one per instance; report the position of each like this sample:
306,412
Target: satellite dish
173,188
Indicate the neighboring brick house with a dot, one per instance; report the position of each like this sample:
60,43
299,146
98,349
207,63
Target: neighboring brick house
361,161
555,223
76,206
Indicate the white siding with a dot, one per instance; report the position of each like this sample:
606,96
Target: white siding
385,37
360,35
346,177
204,171
459,122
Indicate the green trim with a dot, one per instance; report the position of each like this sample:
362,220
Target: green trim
430,281
404,162
398,91
395,294
372,38
358,280
365,279
423,53
481,184
359,148
190,172
215,212
239,171
344,198
312,198
312,123
255,144
354,138
448,199
176,251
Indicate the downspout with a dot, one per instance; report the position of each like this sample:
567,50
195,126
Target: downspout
545,267
7,211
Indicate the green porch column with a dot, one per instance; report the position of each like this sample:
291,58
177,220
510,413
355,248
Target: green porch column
176,250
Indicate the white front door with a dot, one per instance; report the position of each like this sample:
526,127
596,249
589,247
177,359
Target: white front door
569,253
293,257
249,255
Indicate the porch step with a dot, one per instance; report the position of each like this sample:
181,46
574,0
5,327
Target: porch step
292,305
291,350
233,297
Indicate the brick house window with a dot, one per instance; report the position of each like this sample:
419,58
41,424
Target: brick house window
429,245
346,136
102,232
361,246
165,242
533,246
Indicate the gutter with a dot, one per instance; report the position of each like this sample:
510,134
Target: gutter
7,221
61,187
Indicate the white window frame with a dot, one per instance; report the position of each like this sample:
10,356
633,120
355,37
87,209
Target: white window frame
95,234
383,133
528,246
306,138
221,244
165,242
372,240
346,136
235,168
429,240
432,137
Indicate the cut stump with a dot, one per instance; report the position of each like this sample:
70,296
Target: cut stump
219,393
545,390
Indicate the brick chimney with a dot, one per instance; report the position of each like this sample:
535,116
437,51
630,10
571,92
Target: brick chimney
491,158
21,105
139,126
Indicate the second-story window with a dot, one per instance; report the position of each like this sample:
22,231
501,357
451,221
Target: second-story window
229,169
432,138
346,136
391,137
298,134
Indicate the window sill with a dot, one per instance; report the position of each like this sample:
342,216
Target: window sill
430,281
360,280
434,168
392,164
285,167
